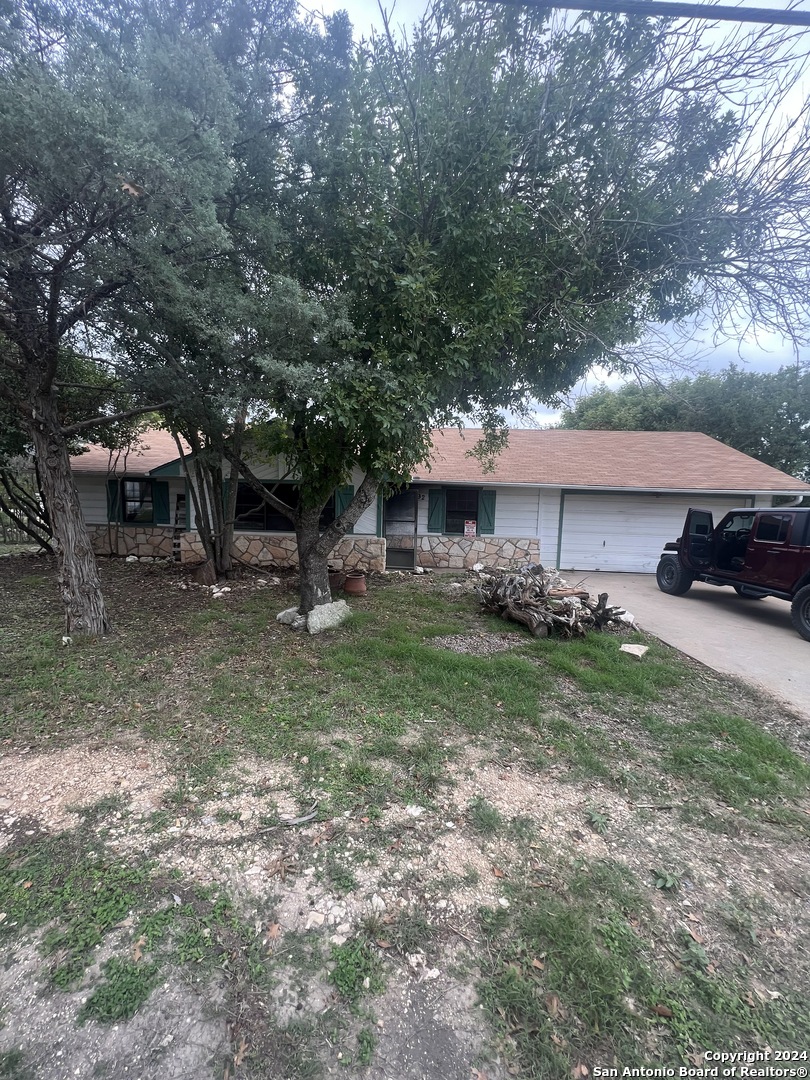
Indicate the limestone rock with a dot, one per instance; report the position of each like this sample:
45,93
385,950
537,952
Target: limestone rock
327,616
290,617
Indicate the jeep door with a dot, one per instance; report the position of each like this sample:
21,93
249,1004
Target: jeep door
771,560
697,540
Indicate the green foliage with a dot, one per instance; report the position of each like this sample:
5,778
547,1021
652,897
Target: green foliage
764,415
484,817
79,896
667,880
124,987
356,969
598,821
575,978
366,1045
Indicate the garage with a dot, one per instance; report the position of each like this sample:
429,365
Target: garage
626,532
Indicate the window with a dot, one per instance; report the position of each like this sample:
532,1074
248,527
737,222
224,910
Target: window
136,501
461,506
253,514
450,508
772,528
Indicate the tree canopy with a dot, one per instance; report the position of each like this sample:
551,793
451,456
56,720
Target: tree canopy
243,214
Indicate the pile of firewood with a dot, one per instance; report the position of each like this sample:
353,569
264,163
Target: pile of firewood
544,602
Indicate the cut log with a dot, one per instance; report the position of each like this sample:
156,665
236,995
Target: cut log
543,602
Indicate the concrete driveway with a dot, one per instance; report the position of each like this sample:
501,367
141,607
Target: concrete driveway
752,639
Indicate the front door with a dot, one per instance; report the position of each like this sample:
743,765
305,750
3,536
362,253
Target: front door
400,531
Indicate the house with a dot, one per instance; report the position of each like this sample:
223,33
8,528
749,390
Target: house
580,500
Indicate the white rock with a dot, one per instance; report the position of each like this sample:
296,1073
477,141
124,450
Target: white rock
338,939
634,650
315,918
503,902
290,617
226,588
627,617
261,581
414,811
441,904
67,640
449,824
478,567
327,616
131,558
377,903
344,928
419,569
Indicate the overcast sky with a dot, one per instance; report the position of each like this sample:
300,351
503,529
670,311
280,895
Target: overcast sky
766,352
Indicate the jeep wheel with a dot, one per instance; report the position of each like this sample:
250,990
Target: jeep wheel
800,612
672,578
742,590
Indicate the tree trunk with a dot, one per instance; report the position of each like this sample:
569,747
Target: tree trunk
78,578
313,569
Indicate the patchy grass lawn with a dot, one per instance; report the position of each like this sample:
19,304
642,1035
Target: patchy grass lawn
231,850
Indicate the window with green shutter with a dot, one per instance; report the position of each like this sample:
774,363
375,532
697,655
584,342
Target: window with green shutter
486,513
452,509
436,504
138,502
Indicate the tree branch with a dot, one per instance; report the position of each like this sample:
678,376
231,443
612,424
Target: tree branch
256,485
102,421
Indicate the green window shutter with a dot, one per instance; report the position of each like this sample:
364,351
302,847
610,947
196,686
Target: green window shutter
113,500
486,512
436,505
380,516
160,501
343,496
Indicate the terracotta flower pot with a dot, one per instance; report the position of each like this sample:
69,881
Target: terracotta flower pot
336,578
355,583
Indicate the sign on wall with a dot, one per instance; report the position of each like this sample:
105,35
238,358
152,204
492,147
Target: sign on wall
471,528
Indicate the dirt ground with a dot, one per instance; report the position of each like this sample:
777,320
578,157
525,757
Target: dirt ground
306,886
428,1023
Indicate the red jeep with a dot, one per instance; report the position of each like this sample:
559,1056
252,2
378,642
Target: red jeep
759,552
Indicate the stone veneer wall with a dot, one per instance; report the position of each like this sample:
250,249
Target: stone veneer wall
277,550
460,553
144,541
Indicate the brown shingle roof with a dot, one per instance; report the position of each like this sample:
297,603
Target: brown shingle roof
632,460
640,460
151,449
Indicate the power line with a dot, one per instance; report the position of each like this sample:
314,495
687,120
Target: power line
673,9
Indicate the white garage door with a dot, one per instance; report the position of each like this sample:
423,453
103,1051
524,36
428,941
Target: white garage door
627,532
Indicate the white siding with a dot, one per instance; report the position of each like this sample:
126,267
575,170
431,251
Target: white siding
516,511
92,491
366,524
625,532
